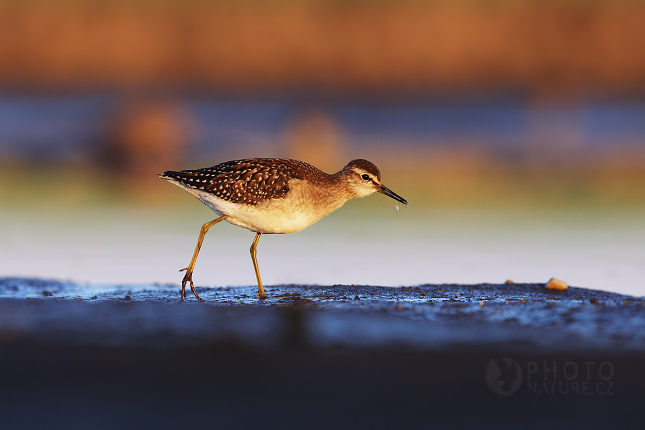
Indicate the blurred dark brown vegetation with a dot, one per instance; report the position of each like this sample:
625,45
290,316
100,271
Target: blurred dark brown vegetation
145,137
548,48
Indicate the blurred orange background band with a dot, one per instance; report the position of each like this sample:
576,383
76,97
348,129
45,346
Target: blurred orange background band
564,48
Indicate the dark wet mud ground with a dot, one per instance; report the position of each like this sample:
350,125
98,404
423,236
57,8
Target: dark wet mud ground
503,356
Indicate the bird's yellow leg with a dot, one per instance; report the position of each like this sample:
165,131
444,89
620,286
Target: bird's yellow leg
255,265
188,277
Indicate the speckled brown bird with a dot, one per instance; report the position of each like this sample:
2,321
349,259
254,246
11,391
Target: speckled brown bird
273,195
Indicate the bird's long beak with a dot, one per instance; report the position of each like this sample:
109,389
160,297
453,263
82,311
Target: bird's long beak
388,192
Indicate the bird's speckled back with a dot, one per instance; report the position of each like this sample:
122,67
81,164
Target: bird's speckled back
250,181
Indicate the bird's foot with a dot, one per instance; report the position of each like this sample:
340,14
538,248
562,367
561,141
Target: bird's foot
188,277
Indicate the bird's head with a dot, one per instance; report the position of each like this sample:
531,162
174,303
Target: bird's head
363,178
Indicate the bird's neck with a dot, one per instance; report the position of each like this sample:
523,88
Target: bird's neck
341,189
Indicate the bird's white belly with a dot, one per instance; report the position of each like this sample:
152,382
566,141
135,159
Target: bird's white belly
271,221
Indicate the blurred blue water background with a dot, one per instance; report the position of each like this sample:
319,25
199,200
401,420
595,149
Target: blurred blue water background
67,127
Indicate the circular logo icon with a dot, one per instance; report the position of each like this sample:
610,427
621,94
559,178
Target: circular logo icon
503,376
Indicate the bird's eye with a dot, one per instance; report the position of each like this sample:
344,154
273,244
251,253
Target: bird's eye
365,177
